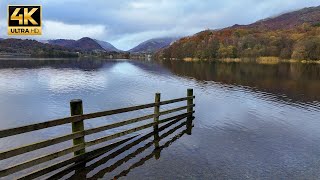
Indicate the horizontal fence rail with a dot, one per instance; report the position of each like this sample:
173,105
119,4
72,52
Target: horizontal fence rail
79,132
57,122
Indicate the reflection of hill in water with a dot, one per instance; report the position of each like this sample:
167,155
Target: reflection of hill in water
150,67
83,64
295,80
300,82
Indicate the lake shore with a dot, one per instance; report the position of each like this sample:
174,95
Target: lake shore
259,60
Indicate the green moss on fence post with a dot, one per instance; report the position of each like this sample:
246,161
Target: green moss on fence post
156,120
77,109
189,110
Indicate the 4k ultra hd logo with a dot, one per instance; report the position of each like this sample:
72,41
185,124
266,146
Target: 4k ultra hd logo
24,20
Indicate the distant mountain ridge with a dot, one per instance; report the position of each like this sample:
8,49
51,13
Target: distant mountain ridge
153,45
107,46
83,44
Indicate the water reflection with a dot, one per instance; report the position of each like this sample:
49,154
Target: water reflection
99,168
254,121
83,64
297,81
294,81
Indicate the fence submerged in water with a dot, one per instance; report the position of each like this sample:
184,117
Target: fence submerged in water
79,148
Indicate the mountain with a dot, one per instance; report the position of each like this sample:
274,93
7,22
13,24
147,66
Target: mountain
107,46
83,44
152,45
288,20
293,35
60,42
33,48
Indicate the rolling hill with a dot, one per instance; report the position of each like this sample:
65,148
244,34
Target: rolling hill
288,20
293,35
33,48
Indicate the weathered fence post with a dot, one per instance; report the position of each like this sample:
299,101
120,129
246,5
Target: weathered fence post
156,120
189,110
77,109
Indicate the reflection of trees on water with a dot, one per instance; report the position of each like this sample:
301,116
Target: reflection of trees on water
296,80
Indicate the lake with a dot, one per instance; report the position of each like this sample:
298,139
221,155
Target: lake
252,121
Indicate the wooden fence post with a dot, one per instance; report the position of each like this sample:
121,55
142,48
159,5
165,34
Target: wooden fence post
156,120
77,109
189,110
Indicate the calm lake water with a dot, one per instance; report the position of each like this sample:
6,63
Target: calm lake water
252,121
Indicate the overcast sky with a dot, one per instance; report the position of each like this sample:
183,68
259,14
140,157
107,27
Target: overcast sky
126,23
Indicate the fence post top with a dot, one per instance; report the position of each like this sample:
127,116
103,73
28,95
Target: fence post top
75,101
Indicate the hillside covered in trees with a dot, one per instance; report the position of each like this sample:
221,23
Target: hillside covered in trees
34,48
85,47
294,35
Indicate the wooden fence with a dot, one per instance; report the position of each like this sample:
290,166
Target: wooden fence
79,132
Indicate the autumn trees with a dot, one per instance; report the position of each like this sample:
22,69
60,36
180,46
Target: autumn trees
308,48
302,43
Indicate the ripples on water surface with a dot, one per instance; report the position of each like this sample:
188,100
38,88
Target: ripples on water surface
253,121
